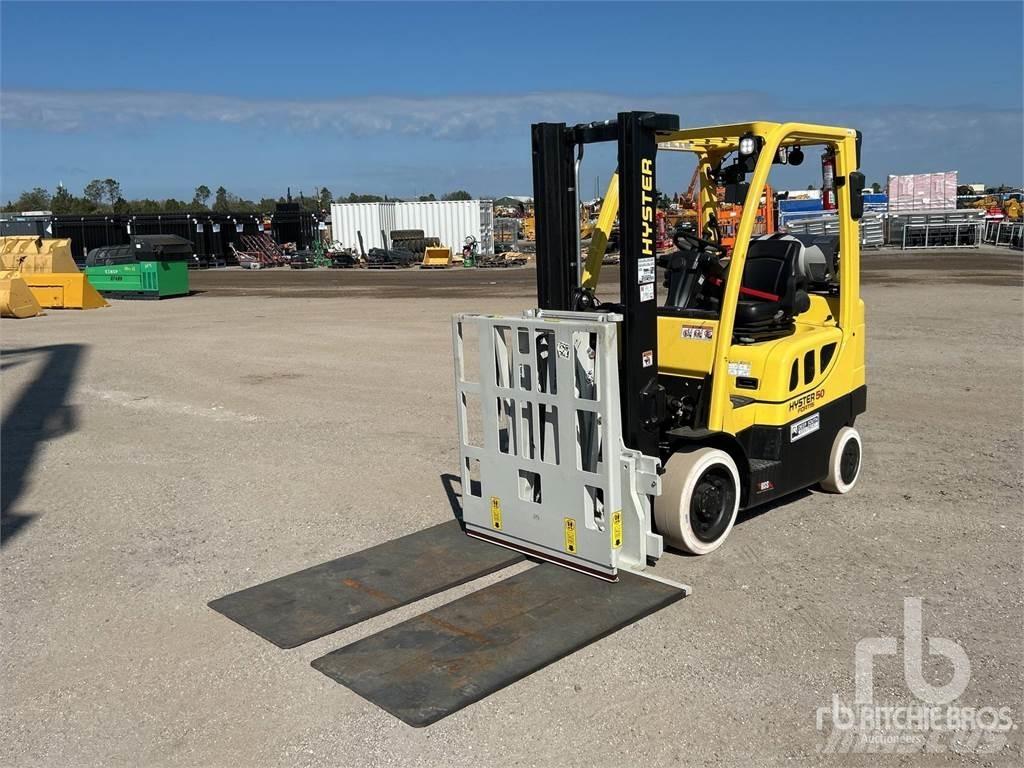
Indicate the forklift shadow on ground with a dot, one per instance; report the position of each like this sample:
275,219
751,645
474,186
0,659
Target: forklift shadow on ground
748,515
39,413
449,482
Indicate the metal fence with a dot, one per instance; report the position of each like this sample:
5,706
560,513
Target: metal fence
872,227
1006,233
796,209
898,221
507,231
965,234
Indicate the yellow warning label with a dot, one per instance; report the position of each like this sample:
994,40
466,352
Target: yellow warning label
496,512
617,529
570,535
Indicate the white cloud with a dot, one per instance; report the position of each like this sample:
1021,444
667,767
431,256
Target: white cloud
977,140
439,117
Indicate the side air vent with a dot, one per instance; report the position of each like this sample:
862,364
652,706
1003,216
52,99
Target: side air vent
809,367
827,353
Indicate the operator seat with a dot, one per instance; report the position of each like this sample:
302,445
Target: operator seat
774,290
692,277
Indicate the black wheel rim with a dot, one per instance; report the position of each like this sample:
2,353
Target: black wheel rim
849,461
712,503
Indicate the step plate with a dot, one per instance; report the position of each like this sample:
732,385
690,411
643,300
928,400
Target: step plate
435,664
309,604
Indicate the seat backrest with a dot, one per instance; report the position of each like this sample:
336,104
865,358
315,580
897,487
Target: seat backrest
681,277
770,268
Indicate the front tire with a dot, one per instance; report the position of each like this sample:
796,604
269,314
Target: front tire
699,500
844,462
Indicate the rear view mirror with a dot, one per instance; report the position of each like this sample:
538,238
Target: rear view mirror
856,195
736,194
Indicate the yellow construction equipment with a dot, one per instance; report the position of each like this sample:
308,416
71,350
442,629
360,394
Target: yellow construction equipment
49,271
16,299
601,231
30,254
994,204
64,290
436,257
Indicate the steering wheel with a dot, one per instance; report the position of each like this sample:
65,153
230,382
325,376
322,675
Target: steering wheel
710,272
699,243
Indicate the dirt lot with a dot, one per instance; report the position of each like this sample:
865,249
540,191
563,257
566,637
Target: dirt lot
158,455
991,266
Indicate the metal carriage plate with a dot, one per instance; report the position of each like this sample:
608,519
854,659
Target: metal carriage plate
544,469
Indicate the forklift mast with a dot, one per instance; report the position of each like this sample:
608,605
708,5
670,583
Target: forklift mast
555,147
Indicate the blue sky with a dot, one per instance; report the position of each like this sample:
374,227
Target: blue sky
406,99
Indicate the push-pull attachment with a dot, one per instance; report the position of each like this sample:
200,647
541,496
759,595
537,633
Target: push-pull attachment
545,470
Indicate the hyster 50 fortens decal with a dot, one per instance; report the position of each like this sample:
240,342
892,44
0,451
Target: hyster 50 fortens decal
806,402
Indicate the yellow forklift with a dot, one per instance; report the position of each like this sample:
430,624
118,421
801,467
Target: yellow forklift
594,431
741,384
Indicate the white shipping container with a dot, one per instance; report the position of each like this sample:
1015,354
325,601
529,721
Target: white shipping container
450,221
350,219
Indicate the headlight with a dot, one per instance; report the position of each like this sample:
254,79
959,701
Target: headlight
748,145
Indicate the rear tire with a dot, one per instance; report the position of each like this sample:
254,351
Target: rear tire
844,462
699,500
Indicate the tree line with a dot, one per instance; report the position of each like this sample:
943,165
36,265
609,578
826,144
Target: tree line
105,196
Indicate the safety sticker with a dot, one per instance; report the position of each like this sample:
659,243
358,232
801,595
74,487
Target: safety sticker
738,368
804,427
563,350
496,513
648,358
570,535
617,529
647,292
646,273
698,332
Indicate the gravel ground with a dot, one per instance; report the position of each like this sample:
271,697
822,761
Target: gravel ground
158,455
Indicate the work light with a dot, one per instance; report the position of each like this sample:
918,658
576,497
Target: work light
748,144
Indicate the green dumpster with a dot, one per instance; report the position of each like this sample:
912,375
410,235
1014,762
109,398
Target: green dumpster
149,267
